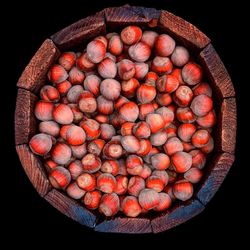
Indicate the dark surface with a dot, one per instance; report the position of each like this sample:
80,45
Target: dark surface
30,215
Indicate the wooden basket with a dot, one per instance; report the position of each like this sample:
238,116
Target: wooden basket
77,35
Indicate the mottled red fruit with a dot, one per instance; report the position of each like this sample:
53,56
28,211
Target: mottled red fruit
127,128
43,110
107,68
91,163
131,35
120,101
185,115
87,102
50,128
122,184
160,161
200,138
209,147
57,74
172,146
186,131
180,56
75,135
95,147
110,167
115,45
109,204
193,175
84,64
126,69
122,167
141,130
129,87
183,96
79,151
104,105
113,150
202,88
77,113
167,83
106,183
63,87
76,76
111,56
49,165
148,199
130,206
152,152
167,115
74,93
49,93
187,146
134,164
207,121
74,191
154,182
75,169
63,114
92,199
67,60
86,181
146,93
181,161
130,143
139,52
59,177
96,51
146,171
92,84
63,131
192,73
145,109
135,185
159,138
129,111
201,105
198,158
141,70
162,174
163,99
110,89
164,45
107,131
40,144
151,78
101,118
171,130
61,153
164,202
102,39
145,147
155,122
177,73
162,65
183,190
149,37
91,128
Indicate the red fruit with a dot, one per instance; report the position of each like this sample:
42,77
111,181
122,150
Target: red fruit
122,184
140,52
59,177
155,183
110,167
91,163
192,73
171,130
74,191
177,74
162,65
126,69
159,138
141,130
145,109
131,206
146,171
112,150
110,89
141,70
160,161
63,114
40,144
149,199
164,45
50,128
163,99
193,175
167,115
75,169
164,202
101,118
129,111
152,152
49,93
135,185
75,135
63,87
87,103
185,115
146,93
149,37
172,146
104,105
79,151
202,88
183,190
163,175
131,35
86,181
92,199
207,121
129,87
43,110
181,161
91,128
57,74
130,143
151,78
109,204
180,56
107,68
208,148
95,147
61,153
106,183
127,128
115,45
201,105
155,122
76,76
167,83
84,64
200,138
186,131
134,164
67,60
183,96
96,51
92,84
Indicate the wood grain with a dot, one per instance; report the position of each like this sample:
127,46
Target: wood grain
25,121
190,35
80,32
35,73
34,169
178,214
216,170
71,208
216,72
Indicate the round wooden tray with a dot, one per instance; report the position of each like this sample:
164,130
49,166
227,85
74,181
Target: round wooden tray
77,35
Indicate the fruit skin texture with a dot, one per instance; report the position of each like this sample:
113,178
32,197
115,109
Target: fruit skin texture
182,162
129,111
183,190
62,114
192,73
146,93
59,177
131,207
40,144
96,51
201,105
148,199
110,89
164,45
109,204
131,35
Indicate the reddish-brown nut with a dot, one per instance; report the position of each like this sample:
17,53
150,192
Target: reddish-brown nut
120,101
186,131
115,45
154,182
180,56
109,204
149,37
112,150
141,70
162,174
84,63
167,83
91,163
91,128
164,202
50,128
92,84
172,146
67,60
74,191
155,122
61,153
167,115
57,74
79,151
101,118
139,52
107,68
131,34
164,45
110,89
135,185
127,128
183,190
77,113
200,138
96,51
111,56
86,181
49,165
201,105
172,175
185,115
41,144
207,121
129,111
63,131
198,158
146,171
75,169
152,152
145,109
75,135
192,73
160,161
187,146
107,131
95,147
49,93
177,74
122,167
202,88
129,87
159,138
92,199
183,96
163,99
169,190
126,69
43,110
193,175
102,39
130,206
162,65
146,93
130,143
122,184
110,167
59,177
106,183
148,199
87,102
151,78
134,164
63,114
63,87
181,162
171,130
104,105
141,130
76,76
208,148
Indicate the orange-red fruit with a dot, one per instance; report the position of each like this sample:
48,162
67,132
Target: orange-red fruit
139,52
159,138
122,167
146,93
154,182
63,131
148,199
87,102
130,143
49,93
181,161
67,60
61,153
40,144
180,56
145,147
76,76
193,175
57,74
167,83
172,146
109,204
63,87
126,69
49,164
163,99
43,110
200,138
135,185
92,84
106,183
164,45
91,128
79,151
162,65
84,64
198,159
149,37
152,152
141,70
162,174
155,122
75,169
120,101
201,105
59,177
208,148
110,167
183,190
127,128
167,114
131,35
130,206
172,175
96,51
74,191
92,199
146,171
101,118
207,121
171,130
91,163
122,184
160,161
129,111
187,146
63,114
107,131
134,164
164,202
192,73
104,105
177,73
202,88
129,87
151,78
141,130
77,113
50,128
74,93
113,150
95,147
75,135
107,68
110,89
183,96
186,131
185,115
145,109
169,190
86,181
115,45
102,39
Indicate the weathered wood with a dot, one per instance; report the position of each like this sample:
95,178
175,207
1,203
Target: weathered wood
216,170
25,121
34,169
80,32
176,215
190,35
124,225
34,75
71,208
216,72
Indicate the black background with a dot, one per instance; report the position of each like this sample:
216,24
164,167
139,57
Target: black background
29,216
